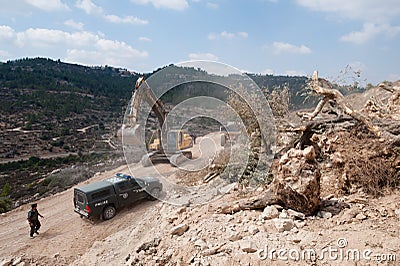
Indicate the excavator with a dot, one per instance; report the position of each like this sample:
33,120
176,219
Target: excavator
177,141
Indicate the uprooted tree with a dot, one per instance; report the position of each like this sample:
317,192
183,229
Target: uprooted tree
296,182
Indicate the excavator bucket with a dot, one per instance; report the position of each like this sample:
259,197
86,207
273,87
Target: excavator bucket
131,135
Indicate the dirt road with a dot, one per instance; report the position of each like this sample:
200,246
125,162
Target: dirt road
63,233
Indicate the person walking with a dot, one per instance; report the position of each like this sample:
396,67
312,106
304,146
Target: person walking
33,219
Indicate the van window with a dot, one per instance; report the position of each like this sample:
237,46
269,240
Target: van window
101,194
123,185
80,198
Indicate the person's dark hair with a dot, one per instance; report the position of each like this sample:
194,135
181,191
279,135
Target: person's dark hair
34,205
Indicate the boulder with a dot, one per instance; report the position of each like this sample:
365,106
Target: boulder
297,183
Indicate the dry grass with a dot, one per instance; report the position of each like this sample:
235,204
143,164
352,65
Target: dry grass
367,162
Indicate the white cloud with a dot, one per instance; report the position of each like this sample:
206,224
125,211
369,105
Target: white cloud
96,57
107,52
144,39
364,10
76,25
203,56
227,35
89,7
128,19
376,15
169,4
47,37
6,32
48,5
212,5
243,34
370,31
78,47
281,47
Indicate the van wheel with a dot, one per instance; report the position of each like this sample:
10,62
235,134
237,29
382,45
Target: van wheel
109,212
154,194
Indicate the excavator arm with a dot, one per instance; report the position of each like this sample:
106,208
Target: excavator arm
141,93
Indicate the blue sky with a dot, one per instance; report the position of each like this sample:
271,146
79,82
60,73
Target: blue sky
292,37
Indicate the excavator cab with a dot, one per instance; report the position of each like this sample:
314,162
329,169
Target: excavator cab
178,140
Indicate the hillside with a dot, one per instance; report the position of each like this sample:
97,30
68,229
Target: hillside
54,115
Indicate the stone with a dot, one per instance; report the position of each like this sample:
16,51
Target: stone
181,210
383,212
284,159
324,214
284,215
6,262
252,229
309,153
300,224
295,153
56,255
248,246
397,212
296,215
148,245
235,236
347,216
172,218
229,217
361,217
179,229
17,261
269,212
201,244
283,225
